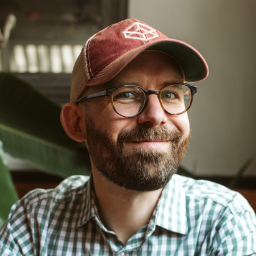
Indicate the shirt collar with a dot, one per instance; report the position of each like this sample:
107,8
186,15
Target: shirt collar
170,212
171,209
88,204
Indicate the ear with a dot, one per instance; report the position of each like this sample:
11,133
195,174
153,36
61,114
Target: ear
71,117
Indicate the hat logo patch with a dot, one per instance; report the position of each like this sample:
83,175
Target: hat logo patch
140,31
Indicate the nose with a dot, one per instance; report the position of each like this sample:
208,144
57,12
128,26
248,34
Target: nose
153,114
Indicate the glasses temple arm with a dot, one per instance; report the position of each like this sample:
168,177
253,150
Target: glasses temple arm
94,95
193,88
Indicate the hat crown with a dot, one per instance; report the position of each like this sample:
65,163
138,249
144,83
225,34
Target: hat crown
117,39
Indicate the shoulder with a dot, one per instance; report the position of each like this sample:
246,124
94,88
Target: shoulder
40,200
70,186
40,210
229,221
203,190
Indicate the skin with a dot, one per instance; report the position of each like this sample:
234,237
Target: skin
125,211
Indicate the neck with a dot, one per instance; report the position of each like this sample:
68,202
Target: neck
123,211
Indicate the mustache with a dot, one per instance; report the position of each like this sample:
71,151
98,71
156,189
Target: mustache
150,134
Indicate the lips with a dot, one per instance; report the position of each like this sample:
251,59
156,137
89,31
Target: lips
139,141
149,144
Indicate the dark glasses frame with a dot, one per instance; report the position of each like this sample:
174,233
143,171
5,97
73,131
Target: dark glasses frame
109,92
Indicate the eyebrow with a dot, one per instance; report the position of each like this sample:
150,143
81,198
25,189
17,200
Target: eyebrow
110,84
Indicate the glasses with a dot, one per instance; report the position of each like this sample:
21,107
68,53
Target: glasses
131,100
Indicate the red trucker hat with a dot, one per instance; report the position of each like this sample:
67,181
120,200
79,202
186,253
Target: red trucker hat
107,52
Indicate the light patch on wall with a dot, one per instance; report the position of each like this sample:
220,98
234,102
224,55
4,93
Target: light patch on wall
20,58
77,49
44,58
68,58
56,61
44,62
31,52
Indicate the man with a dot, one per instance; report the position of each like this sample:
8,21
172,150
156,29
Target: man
129,103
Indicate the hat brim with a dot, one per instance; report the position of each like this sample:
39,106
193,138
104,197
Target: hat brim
192,62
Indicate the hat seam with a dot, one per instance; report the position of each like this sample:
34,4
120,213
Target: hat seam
87,55
86,67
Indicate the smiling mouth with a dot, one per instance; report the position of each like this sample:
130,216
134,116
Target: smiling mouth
147,140
150,144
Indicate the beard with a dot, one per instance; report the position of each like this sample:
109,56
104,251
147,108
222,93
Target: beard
137,169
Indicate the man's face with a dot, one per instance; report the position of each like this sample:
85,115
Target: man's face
139,153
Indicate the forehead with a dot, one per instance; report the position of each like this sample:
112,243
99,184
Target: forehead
146,67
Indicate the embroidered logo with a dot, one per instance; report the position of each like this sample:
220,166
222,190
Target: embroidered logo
140,31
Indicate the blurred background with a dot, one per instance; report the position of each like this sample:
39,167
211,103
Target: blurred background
223,118
45,37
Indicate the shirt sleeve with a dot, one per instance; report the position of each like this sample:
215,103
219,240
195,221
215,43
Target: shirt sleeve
15,235
4,251
235,232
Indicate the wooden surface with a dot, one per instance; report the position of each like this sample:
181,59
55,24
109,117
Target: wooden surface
250,195
24,188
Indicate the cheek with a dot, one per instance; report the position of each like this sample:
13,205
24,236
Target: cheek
117,124
106,119
181,122
99,110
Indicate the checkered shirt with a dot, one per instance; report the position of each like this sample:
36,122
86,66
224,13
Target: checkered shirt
192,217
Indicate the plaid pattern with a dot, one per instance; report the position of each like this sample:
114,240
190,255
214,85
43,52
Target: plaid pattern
193,217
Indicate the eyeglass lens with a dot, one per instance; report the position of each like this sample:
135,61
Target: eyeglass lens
129,101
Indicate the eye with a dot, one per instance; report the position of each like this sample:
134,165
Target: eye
125,95
128,95
168,95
